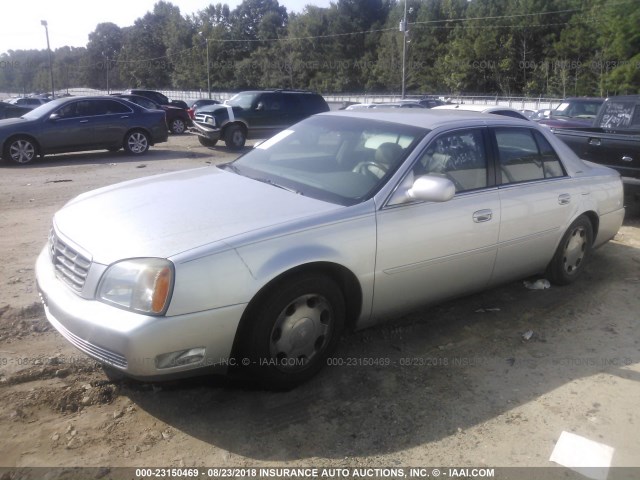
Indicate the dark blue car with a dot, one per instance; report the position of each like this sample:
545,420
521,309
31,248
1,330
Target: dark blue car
78,124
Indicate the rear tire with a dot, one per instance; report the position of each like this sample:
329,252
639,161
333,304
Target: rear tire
136,142
234,137
293,330
575,247
178,126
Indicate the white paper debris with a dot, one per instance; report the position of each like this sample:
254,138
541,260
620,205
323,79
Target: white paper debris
589,458
538,284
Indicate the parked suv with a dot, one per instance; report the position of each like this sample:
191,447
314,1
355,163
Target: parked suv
255,114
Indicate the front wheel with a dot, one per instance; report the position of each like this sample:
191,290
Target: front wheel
568,262
207,142
136,142
293,331
235,137
20,150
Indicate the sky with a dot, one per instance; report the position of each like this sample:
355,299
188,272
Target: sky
71,22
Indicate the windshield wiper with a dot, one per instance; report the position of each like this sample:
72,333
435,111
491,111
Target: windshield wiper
271,182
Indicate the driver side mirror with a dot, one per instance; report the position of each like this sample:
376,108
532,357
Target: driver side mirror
54,116
427,188
260,106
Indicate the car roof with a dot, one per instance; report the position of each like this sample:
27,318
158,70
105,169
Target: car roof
430,119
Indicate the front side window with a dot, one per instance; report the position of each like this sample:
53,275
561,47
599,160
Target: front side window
459,156
524,155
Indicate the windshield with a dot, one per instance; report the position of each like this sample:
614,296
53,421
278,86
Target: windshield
242,100
342,160
43,110
577,109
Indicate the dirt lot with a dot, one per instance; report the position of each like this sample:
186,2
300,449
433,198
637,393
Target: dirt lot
461,388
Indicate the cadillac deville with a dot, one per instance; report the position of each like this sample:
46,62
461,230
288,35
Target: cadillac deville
340,221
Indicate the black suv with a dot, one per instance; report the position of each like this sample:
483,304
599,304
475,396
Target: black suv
255,114
157,97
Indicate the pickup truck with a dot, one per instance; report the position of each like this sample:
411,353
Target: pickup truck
612,140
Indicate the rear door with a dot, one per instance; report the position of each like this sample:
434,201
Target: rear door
537,201
111,121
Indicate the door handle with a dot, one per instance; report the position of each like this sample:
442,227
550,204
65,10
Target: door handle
564,199
595,141
84,121
627,158
124,116
482,216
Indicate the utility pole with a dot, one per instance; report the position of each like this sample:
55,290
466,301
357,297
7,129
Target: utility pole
403,29
46,29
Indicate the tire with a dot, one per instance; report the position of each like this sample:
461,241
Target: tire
20,150
234,137
574,249
178,126
293,330
207,142
136,142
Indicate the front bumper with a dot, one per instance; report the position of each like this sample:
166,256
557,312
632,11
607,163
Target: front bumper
211,133
132,343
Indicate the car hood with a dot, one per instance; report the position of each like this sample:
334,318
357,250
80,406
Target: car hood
8,122
165,215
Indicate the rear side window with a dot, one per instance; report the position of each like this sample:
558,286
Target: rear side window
525,155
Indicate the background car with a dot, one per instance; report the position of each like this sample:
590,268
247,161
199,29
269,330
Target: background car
8,110
29,102
343,220
157,97
81,123
203,102
494,109
573,112
177,118
255,114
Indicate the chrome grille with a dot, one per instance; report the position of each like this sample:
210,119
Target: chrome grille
71,266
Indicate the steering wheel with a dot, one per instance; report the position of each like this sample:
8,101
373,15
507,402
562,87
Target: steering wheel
364,168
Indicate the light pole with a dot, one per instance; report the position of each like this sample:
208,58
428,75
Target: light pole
46,29
208,72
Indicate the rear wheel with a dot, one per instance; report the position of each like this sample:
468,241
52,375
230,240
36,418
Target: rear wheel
293,331
234,137
20,150
178,126
568,262
207,142
136,142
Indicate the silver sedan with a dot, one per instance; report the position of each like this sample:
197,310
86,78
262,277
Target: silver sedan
341,221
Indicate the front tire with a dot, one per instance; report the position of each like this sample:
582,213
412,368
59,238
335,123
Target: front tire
293,330
575,247
136,142
20,150
235,137
207,142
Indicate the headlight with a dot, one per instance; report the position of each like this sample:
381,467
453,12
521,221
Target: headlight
210,121
142,285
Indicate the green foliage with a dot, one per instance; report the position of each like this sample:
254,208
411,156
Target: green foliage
506,47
